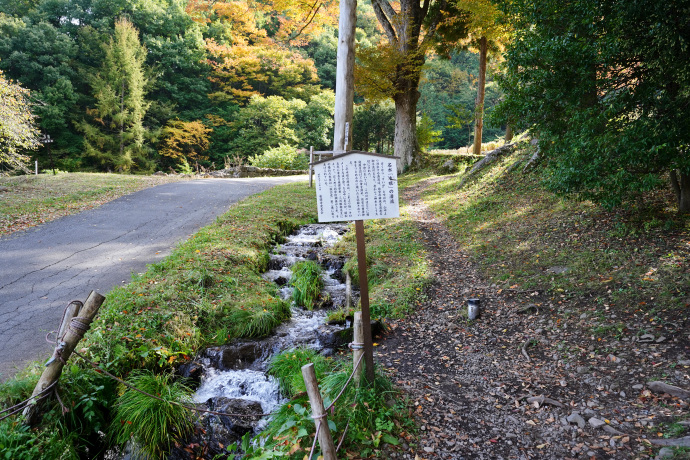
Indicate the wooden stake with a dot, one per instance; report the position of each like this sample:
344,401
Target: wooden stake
318,412
69,342
71,311
348,290
364,298
311,168
358,346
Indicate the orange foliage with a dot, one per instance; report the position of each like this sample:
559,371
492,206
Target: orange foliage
241,71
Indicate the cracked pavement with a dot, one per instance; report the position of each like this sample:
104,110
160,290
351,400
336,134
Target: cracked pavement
44,268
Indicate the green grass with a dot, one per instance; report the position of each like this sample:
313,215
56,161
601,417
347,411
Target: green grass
520,235
32,200
375,414
307,283
286,367
397,268
153,425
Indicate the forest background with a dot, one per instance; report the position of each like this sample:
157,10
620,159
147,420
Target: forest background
140,85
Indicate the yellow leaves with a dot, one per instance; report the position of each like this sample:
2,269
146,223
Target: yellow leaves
295,447
188,139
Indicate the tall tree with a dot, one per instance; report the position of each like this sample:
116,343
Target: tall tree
115,137
487,30
604,84
394,68
17,130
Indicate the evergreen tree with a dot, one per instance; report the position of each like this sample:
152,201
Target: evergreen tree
115,137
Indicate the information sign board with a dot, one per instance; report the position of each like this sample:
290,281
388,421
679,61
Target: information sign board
356,186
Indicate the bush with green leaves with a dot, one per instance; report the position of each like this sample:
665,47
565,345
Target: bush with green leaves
619,128
152,425
282,157
307,283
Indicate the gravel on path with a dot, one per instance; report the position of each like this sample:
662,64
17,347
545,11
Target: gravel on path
517,383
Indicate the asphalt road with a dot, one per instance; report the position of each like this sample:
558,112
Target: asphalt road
44,268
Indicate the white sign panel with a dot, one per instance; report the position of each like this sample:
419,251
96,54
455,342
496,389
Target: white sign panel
357,186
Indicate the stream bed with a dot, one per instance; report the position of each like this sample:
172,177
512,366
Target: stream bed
232,378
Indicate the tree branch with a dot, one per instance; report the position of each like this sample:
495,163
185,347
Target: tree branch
316,4
431,30
379,6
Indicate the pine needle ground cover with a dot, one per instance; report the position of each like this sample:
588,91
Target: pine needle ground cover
627,268
34,200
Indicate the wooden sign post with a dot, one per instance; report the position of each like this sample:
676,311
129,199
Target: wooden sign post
358,186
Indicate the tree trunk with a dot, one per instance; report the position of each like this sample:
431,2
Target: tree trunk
405,144
122,121
479,106
681,185
509,133
345,80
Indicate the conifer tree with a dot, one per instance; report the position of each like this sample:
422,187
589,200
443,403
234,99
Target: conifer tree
115,137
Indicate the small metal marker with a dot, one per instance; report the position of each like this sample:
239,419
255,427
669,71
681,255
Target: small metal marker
472,309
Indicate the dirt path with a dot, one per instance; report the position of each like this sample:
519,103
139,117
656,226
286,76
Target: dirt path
469,381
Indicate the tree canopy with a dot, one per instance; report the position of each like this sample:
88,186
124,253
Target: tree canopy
604,85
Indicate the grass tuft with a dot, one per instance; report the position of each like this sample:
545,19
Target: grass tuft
307,283
152,425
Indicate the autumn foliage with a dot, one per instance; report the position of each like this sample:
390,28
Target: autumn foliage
185,139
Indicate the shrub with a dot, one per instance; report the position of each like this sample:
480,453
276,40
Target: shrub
282,157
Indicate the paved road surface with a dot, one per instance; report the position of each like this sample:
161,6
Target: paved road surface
44,268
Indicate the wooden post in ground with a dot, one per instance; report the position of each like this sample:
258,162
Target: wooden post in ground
364,299
357,347
311,168
348,290
318,412
71,336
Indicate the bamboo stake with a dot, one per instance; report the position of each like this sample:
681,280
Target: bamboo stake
318,412
311,168
357,346
364,299
68,343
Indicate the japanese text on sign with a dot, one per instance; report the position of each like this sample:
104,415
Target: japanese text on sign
357,186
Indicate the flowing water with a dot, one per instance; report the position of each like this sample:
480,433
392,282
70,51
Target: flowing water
237,372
